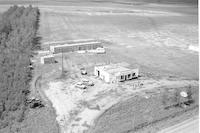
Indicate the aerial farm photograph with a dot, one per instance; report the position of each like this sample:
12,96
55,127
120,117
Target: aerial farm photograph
99,66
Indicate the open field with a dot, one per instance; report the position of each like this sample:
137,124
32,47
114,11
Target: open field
156,37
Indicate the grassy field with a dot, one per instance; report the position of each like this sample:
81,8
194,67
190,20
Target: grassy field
138,112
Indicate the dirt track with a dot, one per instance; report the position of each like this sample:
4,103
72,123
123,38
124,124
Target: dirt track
188,126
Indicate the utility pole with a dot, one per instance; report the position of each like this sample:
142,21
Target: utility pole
62,66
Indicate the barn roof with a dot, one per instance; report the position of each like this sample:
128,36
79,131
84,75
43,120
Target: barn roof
115,69
77,44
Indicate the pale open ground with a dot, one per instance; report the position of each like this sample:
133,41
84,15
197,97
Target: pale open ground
157,38
77,109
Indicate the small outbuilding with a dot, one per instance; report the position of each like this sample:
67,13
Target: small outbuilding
115,73
47,59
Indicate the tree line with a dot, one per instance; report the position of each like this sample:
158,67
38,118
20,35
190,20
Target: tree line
18,40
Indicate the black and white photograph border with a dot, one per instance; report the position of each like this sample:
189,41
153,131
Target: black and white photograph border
99,66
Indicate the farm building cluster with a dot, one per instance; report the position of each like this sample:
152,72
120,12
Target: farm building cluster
111,73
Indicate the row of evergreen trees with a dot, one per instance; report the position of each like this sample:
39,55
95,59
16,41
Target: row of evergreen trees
18,39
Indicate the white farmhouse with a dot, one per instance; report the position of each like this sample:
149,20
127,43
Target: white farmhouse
115,73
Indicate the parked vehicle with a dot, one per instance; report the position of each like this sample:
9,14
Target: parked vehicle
81,51
100,50
31,67
83,71
87,82
34,103
80,85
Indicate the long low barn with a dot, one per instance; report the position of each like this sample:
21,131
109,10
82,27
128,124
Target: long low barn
75,47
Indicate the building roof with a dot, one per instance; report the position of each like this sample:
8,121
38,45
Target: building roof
115,69
76,44
47,56
69,41
43,51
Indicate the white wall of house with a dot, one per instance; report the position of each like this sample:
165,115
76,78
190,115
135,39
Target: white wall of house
105,76
47,59
128,75
120,76
136,71
102,74
52,49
